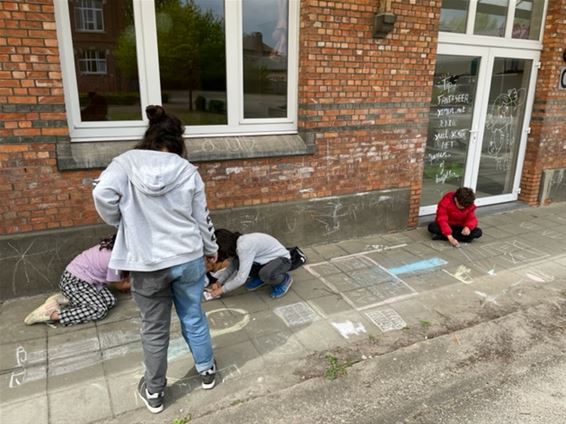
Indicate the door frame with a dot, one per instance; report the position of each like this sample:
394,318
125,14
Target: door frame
488,54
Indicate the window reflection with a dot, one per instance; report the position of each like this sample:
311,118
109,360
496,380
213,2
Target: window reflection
453,15
528,19
265,58
491,16
104,46
192,59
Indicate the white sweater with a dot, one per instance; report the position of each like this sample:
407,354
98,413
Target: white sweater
253,247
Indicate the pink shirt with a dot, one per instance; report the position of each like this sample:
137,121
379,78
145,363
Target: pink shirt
92,266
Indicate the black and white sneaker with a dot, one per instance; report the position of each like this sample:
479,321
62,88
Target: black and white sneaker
154,402
209,377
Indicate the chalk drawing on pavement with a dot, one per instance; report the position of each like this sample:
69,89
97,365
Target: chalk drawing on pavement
76,355
348,328
296,314
386,319
462,274
514,251
362,282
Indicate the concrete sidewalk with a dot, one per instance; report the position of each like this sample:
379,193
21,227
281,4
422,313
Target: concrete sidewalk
354,299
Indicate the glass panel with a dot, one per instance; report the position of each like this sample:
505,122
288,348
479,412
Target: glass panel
265,58
450,120
192,60
105,60
490,17
502,134
89,15
528,19
453,15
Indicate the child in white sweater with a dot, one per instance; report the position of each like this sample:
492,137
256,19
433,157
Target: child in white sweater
252,259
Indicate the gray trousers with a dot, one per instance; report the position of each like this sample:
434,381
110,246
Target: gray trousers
152,293
272,272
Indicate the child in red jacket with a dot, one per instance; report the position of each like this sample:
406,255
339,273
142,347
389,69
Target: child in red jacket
455,218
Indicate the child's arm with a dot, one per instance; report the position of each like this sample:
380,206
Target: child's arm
246,259
107,194
471,220
442,218
123,285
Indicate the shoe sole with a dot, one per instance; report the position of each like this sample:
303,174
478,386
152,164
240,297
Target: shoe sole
210,385
36,317
255,288
151,409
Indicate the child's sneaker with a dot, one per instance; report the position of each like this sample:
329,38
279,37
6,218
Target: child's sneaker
41,314
209,377
57,299
154,402
279,290
254,283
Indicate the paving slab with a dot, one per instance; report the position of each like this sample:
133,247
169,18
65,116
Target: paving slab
329,251
318,336
12,327
32,409
79,403
377,289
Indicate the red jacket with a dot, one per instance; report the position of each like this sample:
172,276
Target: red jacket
447,214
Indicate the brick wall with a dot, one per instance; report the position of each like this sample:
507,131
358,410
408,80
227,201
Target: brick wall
365,101
546,146
35,196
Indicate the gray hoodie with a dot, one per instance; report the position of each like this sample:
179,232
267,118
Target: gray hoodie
157,202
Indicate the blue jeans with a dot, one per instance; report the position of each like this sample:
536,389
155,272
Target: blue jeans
187,286
154,292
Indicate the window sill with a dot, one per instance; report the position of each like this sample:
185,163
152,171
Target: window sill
74,156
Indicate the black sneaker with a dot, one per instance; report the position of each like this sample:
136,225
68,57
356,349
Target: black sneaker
209,377
154,402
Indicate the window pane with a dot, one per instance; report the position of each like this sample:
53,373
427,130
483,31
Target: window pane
106,60
503,127
528,19
265,58
192,60
450,121
453,15
89,15
490,17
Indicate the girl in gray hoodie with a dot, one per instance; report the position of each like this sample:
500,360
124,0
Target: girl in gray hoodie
156,199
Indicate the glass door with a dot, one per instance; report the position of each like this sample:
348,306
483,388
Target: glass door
478,123
504,127
454,117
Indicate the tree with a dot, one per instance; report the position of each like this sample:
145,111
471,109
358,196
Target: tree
191,46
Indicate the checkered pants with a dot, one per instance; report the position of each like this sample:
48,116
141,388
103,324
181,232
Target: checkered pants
86,303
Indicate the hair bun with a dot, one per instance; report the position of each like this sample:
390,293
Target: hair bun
155,113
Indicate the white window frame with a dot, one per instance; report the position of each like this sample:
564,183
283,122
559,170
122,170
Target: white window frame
93,58
97,13
468,37
149,80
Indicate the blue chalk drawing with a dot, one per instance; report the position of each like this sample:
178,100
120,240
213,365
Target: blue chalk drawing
418,266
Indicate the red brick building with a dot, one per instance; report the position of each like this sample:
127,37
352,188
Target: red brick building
337,125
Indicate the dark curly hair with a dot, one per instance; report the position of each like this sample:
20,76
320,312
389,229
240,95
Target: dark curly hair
227,244
165,132
465,196
107,243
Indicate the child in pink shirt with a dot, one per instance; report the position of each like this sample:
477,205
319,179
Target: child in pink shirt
85,295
